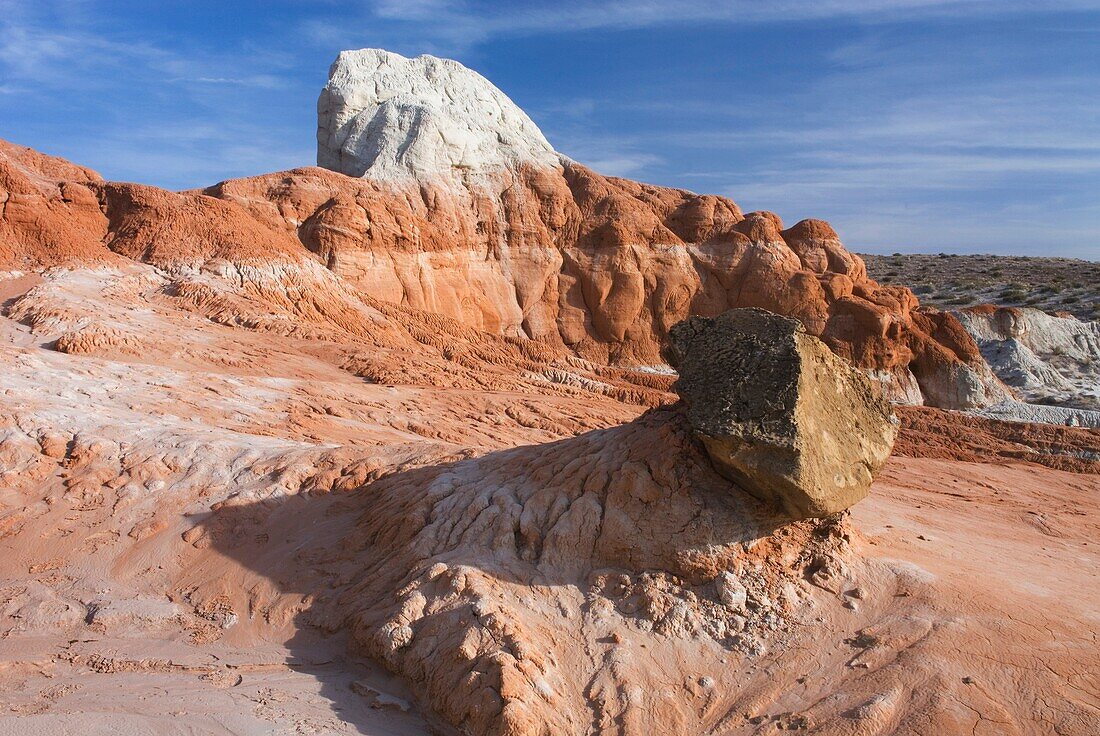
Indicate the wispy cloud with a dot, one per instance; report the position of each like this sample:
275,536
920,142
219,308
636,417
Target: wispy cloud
261,80
572,128
62,57
525,17
906,122
151,109
909,140
913,144
457,25
625,165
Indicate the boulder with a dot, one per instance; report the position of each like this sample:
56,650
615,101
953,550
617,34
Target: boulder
779,413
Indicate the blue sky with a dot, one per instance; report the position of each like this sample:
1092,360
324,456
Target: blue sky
909,124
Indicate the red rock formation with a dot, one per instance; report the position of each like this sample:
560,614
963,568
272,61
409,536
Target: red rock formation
934,433
48,210
212,457
599,265
605,266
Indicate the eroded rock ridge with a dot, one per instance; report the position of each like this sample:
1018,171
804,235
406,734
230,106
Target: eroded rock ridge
526,244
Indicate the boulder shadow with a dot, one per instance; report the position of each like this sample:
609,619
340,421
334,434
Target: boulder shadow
640,498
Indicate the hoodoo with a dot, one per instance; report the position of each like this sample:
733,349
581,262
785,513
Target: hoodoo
384,116
511,236
460,207
389,453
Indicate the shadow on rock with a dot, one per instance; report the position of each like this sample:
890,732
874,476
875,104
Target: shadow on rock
488,583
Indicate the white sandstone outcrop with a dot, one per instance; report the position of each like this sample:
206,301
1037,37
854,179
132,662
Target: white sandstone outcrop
388,117
1046,359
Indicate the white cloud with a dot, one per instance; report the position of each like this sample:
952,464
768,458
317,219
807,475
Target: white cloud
457,26
266,81
903,137
624,166
149,110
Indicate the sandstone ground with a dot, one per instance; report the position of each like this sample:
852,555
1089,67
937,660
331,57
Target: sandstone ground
308,453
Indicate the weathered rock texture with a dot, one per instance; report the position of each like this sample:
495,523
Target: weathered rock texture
501,570
1046,359
561,257
779,413
207,471
936,433
384,116
499,230
222,462
49,213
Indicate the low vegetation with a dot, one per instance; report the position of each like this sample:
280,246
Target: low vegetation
951,281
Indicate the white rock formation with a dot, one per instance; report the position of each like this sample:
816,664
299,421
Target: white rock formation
387,117
1046,359
1020,411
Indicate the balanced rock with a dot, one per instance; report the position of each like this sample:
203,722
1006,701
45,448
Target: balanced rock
779,413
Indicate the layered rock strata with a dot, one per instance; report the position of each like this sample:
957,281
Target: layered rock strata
1047,359
501,571
215,451
548,249
514,240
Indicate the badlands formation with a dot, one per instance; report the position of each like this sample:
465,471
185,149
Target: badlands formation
1047,359
389,447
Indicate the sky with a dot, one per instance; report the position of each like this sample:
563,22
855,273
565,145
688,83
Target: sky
911,125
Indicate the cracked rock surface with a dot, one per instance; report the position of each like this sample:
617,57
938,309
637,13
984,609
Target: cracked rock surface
779,413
